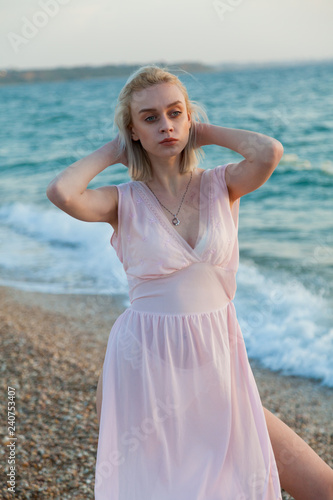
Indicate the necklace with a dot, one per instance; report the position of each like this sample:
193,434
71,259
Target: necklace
175,220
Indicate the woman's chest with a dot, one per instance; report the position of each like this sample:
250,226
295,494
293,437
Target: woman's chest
187,221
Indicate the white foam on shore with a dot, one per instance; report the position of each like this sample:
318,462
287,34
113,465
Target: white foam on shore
286,326
49,250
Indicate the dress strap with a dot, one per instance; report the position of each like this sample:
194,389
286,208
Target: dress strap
223,190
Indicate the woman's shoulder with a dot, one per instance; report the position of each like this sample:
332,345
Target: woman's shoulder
125,186
128,191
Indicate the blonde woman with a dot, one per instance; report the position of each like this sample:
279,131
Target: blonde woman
180,413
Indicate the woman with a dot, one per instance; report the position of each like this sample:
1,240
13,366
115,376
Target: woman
180,414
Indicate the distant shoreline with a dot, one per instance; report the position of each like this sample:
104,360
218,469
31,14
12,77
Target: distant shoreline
12,76
8,77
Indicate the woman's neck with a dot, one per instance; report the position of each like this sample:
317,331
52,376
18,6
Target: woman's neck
166,176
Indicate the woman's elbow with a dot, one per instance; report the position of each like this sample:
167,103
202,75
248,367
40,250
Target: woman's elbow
274,154
56,195
278,150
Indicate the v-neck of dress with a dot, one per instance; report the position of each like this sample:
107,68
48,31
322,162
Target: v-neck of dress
172,230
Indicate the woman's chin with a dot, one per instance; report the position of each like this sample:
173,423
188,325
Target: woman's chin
167,151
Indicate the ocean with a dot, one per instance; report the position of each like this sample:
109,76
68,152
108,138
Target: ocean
284,292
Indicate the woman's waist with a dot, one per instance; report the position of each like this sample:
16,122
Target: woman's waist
200,287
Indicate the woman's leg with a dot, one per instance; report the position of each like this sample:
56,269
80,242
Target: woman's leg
303,474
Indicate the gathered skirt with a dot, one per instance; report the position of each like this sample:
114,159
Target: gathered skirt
181,416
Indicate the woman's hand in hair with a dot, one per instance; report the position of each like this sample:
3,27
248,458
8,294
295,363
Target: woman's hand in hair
200,134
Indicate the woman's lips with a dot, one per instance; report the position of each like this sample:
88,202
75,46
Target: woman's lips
169,142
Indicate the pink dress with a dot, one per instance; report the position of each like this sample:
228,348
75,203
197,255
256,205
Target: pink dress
181,416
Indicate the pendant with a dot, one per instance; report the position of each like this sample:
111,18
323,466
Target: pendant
175,221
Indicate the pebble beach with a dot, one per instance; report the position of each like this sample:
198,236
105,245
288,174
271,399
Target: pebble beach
53,348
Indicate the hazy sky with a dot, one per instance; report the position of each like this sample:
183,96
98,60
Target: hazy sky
50,33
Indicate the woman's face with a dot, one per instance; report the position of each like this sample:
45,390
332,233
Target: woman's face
159,112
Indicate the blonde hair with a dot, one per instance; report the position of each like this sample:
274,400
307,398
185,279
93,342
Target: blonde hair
139,164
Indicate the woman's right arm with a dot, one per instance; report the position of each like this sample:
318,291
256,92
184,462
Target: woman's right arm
68,190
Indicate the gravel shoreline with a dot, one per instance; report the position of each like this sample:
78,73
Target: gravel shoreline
53,348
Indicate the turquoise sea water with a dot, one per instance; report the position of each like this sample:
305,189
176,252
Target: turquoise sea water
284,298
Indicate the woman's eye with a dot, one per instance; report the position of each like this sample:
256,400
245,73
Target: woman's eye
148,118
152,117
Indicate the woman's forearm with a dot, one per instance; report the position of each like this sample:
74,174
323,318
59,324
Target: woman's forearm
74,179
252,145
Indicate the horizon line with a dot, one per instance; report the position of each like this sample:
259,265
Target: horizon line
205,64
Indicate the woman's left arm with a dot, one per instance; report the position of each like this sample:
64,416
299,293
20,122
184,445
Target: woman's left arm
262,155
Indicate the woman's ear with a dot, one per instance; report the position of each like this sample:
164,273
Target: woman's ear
133,134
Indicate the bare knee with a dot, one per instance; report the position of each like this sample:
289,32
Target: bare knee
325,488
328,487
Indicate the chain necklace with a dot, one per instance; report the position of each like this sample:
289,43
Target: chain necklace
175,220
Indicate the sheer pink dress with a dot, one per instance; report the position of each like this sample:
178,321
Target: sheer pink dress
181,416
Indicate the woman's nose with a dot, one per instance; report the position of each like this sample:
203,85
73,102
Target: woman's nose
165,124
